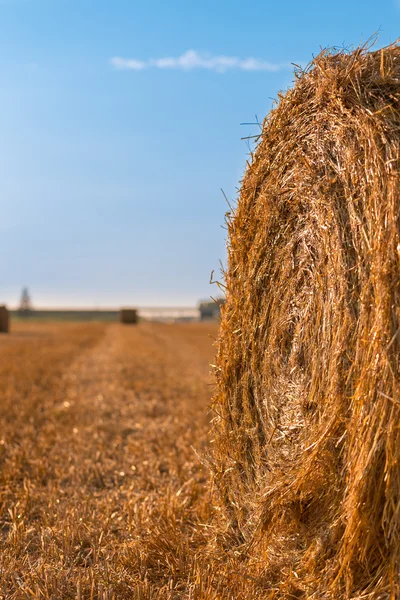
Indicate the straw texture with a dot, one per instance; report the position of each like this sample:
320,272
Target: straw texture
307,437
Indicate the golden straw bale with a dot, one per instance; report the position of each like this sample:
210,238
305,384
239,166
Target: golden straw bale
128,316
307,437
4,320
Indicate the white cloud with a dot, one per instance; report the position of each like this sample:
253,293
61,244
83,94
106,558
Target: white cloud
190,60
128,63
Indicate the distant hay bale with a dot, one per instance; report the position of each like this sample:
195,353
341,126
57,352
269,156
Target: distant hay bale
4,320
307,457
129,316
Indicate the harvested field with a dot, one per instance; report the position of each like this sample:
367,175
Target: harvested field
103,490
101,493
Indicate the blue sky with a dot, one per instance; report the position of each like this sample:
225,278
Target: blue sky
121,120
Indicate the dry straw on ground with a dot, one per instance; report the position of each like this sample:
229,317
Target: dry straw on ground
308,433
4,320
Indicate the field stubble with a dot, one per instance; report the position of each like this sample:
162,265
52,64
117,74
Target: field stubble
102,492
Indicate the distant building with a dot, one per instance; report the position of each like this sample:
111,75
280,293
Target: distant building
210,310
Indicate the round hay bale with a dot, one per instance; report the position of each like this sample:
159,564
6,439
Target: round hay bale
4,320
129,316
307,437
